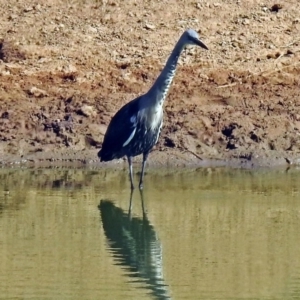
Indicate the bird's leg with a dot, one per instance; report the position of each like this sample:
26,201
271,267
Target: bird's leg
130,204
145,156
130,172
142,201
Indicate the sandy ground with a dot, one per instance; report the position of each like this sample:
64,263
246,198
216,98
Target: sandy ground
67,66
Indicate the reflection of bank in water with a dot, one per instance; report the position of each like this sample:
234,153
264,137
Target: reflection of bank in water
135,246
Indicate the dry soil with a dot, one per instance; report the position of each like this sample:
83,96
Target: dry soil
67,66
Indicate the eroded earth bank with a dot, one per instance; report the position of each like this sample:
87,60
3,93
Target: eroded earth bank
66,67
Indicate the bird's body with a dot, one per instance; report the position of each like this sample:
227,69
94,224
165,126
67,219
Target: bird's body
135,128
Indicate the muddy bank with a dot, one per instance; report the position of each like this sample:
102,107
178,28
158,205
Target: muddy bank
157,159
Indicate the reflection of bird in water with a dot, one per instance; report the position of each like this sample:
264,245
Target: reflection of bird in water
135,246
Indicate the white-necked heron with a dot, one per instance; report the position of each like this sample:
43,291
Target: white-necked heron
135,128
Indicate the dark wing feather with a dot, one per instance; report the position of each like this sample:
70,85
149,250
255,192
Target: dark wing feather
119,130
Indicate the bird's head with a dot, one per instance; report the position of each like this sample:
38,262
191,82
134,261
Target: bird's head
191,37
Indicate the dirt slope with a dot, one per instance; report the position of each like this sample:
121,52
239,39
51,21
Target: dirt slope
66,67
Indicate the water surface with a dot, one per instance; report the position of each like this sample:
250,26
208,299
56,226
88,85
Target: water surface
192,234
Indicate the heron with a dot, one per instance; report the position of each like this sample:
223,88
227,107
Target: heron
136,127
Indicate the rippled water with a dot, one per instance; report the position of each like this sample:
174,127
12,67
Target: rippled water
192,234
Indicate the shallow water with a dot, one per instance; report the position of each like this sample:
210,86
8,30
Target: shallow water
198,234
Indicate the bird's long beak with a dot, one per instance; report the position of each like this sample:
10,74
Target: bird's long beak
200,43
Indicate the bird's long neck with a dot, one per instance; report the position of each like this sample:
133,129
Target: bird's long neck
160,88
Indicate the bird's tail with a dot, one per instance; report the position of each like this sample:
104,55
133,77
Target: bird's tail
104,156
100,155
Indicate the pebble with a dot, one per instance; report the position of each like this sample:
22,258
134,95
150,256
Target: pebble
69,69
37,92
149,26
246,22
88,110
37,7
92,29
28,9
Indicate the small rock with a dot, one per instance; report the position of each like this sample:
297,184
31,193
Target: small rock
37,7
5,73
28,9
107,17
92,29
97,130
87,110
39,93
149,26
206,121
102,129
70,69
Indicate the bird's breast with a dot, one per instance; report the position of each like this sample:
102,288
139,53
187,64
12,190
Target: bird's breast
154,118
